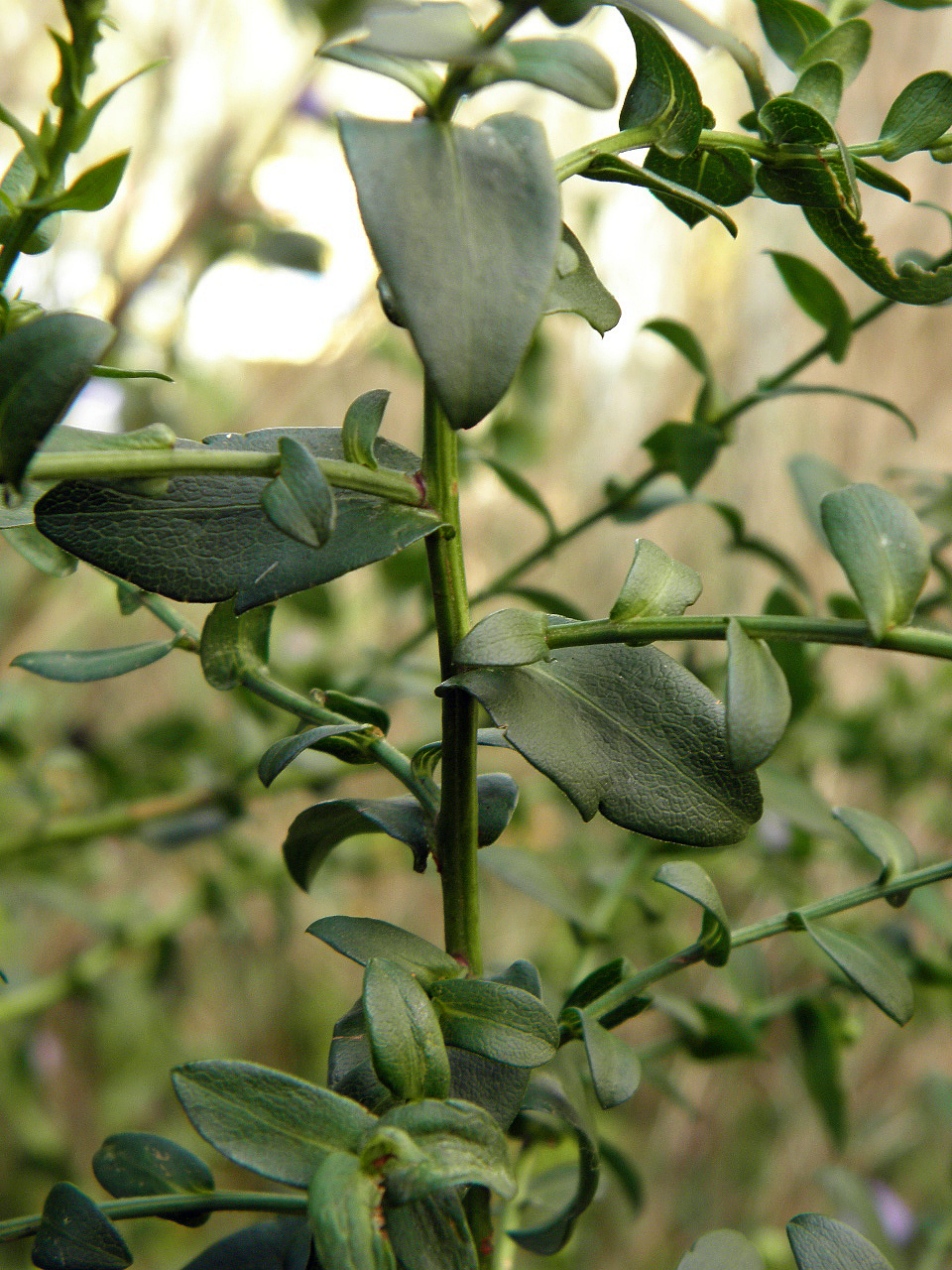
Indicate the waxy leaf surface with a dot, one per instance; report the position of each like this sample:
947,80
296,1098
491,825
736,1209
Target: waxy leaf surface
613,1066
361,938
496,1020
315,832
88,665
757,699
690,879
266,1245
656,585
664,93
461,1144
404,1034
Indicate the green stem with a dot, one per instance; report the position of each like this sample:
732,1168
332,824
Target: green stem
457,82
577,161
457,825
172,1205
397,487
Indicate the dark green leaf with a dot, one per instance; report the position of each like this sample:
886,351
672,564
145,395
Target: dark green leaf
267,1245
598,983
819,1030
881,548
614,1069
664,94
417,76
361,938
277,758
299,500
92,191
846,45
360,709
722,1250
685,202
577,288
709,1032
684,340
84,666
361,425
132,1164
344,1206
885,841
825,390
757,699
458,1144
431,1233
721,177
496,1020
517,485
686,449
814,478
75,1234
208,538
315,832
656,585
791,27
552,1235
919,116
465,226
28,542
233,647
405,1039
819,1243
569,67
496,794
428,31
816,180
528,872
268,1122
880,180
850,241
819,299
628,732
871,969
821,86
691,880
625,1173
43,366
508,637
350,1069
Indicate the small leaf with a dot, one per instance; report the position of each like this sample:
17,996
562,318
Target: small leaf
315,832
664,93
405,1039
431,1233
360,709
415,75
577,288
508,637
656,585
881,548
684,340
722,1250
92,191
75,1234
569,67
688,450
819,1243
460,1143
819,1031
883,840
847,45
821,86
850,241
428,31
814,478
133,1164
685,202
495,1020
826,390
85,666
299,501
517,485
819,299
597,983
614,1069
267,1245
496,797
278,756
270,1123
791,27
233,647
757,699
919,116
361,425
872,971
361,938
691,880
707,1031
344,1206
28,542
716,178
880,180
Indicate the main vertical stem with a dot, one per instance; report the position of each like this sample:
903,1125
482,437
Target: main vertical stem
456,836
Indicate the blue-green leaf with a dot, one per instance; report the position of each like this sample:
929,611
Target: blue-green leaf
86,666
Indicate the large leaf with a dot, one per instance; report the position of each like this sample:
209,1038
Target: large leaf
43,365
361,938
345,1209
919,116
757,699
664,93
628,732
722,1250
314,833
431,1233
404,1034
870,968
428,31
208,538
267,1245
270,1123
576,287
496,1020
881,548
846,46
460,1143
75,1234
132,1164
850,240
819,1243
465,226
88,665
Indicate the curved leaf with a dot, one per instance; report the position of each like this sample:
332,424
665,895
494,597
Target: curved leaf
820,1033
429,31
608,167
461,1145
315,832
684,340
345,1210
721,177
790,27
234,646
508,637
819,1243
570,67
132,1164
267,1245
496,797
75,1234
850,241
431,1233
361,425
824,390
577,288
690,879
885,841
275,759
919,116
613,1066
757,699
415,75
722,1250
88,665
871,969
496,1020
27,541
361,938
818,298
514,481
664,93
821,86
846,45
656,585
404,1034
299,500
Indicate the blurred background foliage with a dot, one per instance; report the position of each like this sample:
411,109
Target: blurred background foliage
145,916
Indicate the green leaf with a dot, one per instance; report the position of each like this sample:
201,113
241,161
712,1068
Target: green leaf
496,1020
345,1210
461,1145
796,660
28,542
315,832
569,67
496,797
872,971
43,367
656,585
132,1164
299,501
428,31
29,140
684,340
417,76
826,390
814,478
757,699
114,372
664,93
709,1032
233,647
360,709
628,732
919,116
690,879
75,1234
552,1235
720,177
821,86
722,1250
278,756
846,45
508,637
270,1123
361,938
819,299
597,983
678,198
686,449
880,180
627,1176
819,1030
885,841
431,1233
92,191
614,1069
267,1245
405,1039
85,666
518,486
151,541
790,27
465,227
815,180
819,1243
15,190
850,241
528,872
576,288
361,425
881,548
